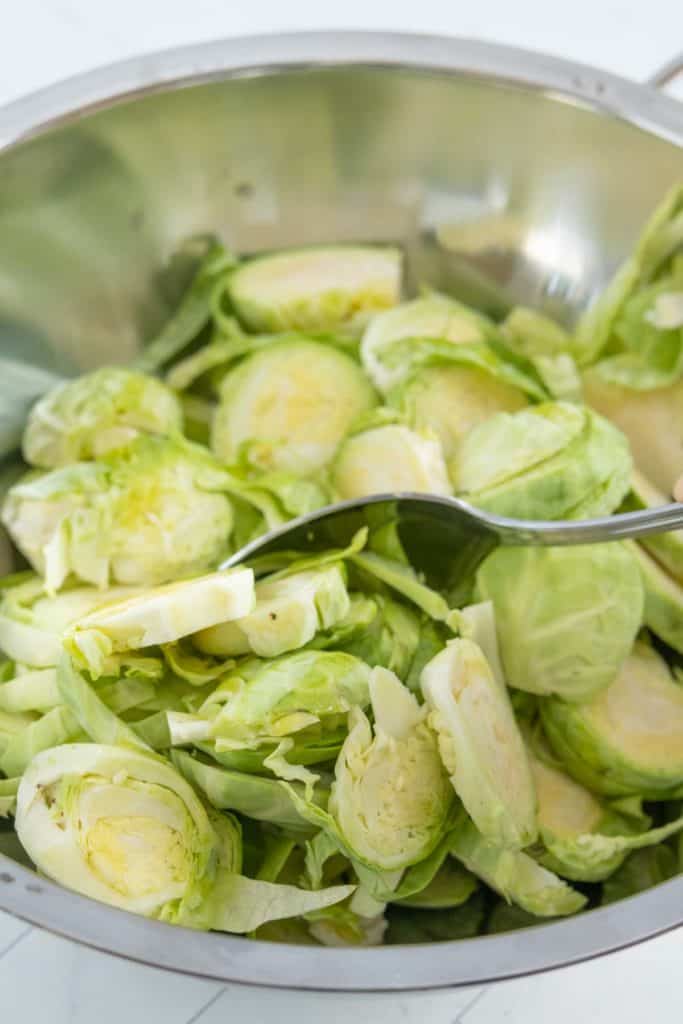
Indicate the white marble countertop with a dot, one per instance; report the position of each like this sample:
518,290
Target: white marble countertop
46,979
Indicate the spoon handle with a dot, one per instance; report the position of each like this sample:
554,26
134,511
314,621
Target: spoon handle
590,531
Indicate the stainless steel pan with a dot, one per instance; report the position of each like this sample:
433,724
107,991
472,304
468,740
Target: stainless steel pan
508,176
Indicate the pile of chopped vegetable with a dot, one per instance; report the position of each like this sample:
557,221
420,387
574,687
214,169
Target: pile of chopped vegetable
323,747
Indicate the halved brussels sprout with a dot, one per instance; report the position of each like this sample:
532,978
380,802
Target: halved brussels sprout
585,839
287,615
652,421
32,622
389,459
160,616
288,407
146,515
119,826
265,701
430,316
450,400
566,617
515,875
391,797
316,289
480,743
123,827
555,460
628,738
98,413
663,608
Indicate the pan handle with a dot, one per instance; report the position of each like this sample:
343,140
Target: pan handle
668,73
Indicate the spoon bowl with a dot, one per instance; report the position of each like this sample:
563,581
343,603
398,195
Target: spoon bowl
445,538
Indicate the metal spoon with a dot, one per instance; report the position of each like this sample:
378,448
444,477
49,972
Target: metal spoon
445,538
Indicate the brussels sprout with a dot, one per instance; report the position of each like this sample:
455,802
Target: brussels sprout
32,622
515,875
288,614
663,609
628,738
123,827
629,321
555,460
566,617
145,515
98,413
316,289
288,407
585,840
651,420
391,797
389,459
266,701
160,616
431,316
667,548
450,400
480,743
118,826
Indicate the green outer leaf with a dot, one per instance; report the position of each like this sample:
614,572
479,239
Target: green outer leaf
641,870
593,857
93,715
663,611
408,925
655,245
256,797
404,581
190,316
451,886
239,904
515,875
56,727
566,617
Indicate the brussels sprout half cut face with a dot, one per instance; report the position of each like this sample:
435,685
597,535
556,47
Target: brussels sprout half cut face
287,615
391,797
480,743
98,413
316,289
450,400
161,616
288,407
387,460
117,825
628,738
